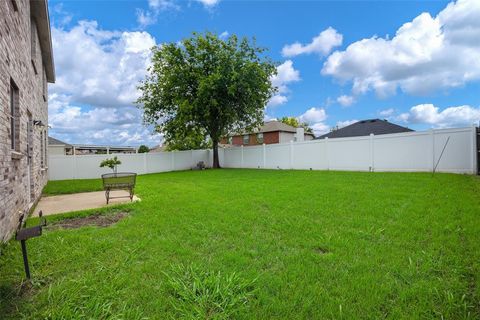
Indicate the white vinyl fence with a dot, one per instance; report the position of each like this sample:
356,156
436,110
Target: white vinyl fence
63,167
411,151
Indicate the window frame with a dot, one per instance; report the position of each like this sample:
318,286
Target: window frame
33,43
14,110
247,137
260,140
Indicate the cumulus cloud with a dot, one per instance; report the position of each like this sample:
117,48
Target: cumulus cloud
315,118
321,44
426,54
209,3
286,74
100,67
97,125
341,124
387,112
224,35
97,74
150,16
449,117
346,101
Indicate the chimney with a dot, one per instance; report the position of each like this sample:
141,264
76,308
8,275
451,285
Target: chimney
300,135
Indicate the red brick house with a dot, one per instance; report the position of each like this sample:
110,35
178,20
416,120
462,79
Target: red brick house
271,132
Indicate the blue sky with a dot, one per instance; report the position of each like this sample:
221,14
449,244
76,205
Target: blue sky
413,63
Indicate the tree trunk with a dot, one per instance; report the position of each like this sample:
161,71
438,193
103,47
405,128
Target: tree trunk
216,161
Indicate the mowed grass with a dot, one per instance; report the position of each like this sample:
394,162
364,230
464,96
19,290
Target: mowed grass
261,244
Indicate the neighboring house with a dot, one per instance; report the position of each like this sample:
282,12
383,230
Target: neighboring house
26,65
158,148
58,148
271,132
82,149
365,128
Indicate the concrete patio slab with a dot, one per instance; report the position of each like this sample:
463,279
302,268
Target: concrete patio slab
79,201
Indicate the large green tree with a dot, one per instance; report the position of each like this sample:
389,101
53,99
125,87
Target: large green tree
208,86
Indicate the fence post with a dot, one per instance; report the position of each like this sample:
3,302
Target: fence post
474,150
173,159
191,158
145,170
241,164
372,153
432,148
326,153
264,156
291,154
74,164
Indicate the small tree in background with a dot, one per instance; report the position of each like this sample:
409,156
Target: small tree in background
206,87
143,149
292,121
111,163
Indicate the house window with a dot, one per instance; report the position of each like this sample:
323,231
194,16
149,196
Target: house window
230,140
260,137
14,110
246,139
44,84
33,43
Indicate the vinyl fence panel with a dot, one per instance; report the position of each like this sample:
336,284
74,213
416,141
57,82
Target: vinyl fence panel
410,151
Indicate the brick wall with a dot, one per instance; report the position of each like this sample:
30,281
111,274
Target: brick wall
20,186
268,138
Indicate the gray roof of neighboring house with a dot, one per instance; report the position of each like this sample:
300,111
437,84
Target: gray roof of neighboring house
365,128
56,142
39,11
273,126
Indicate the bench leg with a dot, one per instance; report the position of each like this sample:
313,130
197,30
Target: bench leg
131,194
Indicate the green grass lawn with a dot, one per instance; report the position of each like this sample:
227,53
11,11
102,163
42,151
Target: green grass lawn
261,244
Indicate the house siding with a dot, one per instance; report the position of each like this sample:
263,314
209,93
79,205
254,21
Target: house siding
19,186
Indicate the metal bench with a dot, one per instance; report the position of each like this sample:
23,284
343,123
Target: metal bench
119,181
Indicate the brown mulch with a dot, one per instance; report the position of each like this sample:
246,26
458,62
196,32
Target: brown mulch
97,220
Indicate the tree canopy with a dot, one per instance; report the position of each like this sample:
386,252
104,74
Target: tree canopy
292,121
143,149
206,87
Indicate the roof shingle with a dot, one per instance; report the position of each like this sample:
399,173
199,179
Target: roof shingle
365,128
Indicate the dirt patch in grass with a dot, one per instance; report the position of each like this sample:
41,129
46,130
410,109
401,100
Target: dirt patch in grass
321,250
98,220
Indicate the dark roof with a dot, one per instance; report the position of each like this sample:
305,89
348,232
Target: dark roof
53,141
364,128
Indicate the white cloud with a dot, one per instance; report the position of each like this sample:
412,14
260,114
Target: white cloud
320,128
321,44
313,115
341,124
345,100
387,112
315,118
449,117
224,35
209,3
98,67
426,54
97,75
286,74
150,16
105,126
